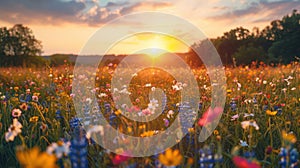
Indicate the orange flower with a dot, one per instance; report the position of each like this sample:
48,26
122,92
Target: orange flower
170,158
33,158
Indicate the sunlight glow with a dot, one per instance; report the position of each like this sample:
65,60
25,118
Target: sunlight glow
149,43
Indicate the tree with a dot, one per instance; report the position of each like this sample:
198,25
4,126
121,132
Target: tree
248,53
286,40
17,44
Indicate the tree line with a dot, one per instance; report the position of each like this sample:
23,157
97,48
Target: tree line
278,42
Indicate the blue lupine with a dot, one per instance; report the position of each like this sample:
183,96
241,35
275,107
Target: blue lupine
107,107
74,122
200,105
249,154
294,157
265,107
207,159
292,154
112,119
58,114
78,150
278,109
28,98
233,105
254,100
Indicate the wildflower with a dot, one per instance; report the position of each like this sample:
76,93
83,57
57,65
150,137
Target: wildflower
16,113
147,133
241,162
24,107
170,113
166,122
243,143
246,124
33,158
95,129
35,98
78,150
13,130
210,115
269,150
118,112
170,158
234,117
60,149
233,104
43,127
34,119
289,137
271,113
118,159
207,158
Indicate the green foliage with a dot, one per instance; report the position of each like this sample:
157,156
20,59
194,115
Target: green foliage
16,44
276,43
248,53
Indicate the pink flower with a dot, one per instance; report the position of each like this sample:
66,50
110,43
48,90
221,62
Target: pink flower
146,111
241,162
16,113
118,159
210,115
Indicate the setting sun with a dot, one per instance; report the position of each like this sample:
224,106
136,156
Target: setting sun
152,44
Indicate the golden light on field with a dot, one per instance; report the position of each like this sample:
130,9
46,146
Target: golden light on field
152,44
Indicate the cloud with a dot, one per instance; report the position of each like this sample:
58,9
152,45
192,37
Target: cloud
74,11
256,12
43,11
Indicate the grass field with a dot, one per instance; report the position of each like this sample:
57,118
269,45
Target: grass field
258,128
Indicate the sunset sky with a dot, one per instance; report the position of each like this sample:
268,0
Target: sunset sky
64,26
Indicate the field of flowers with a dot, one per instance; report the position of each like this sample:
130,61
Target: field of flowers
39,126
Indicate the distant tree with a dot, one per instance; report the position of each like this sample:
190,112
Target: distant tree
286,41
17,44
248,53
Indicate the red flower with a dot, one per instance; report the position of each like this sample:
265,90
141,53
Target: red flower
118,159
241,162
210,115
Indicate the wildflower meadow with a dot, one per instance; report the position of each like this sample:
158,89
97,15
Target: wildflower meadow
259,126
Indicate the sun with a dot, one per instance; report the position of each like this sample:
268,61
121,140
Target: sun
152,44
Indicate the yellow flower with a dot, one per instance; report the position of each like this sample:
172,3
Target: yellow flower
33,158
191,130
216,132
271,113
289,137
118,112
34,119
147,133
170,158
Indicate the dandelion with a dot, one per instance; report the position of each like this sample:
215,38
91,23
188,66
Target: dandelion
16,113
170,157
33,158
13,130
